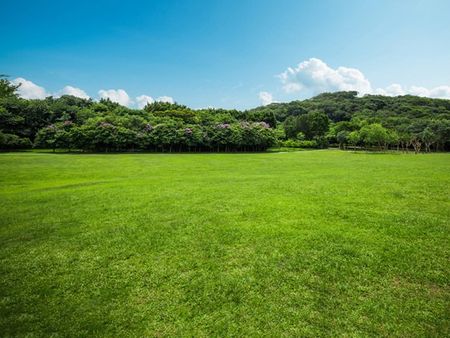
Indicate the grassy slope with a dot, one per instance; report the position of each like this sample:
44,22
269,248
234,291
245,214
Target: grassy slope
301,243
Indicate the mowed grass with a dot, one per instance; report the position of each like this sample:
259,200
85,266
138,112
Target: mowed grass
312,243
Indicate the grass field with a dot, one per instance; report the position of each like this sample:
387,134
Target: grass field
309,243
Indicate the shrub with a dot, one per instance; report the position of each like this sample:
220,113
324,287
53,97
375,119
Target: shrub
11,141
290,143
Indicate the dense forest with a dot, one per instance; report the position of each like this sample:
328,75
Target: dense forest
341,119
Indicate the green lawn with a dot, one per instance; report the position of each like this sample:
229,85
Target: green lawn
308,243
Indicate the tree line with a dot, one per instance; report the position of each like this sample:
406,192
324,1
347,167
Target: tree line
132,133
341,119
73,123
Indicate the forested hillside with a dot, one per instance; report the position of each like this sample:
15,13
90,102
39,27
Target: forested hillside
342,119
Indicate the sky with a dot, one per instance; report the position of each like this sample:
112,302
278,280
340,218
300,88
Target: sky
225,54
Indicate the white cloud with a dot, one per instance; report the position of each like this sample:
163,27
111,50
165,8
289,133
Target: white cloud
419,91
167,99
316,76
142,100
392,90
69,90
266,98
120,96
442,92
30,90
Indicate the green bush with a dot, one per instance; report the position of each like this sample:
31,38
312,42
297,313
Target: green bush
11,141
290,143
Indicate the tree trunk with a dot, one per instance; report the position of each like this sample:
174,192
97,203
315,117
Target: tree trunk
417,145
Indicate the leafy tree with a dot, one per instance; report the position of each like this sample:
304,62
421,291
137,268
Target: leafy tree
392,138
290,127
428,137
313,124
354,138
55,136
11,141
165,136
342,138
7,89
375,135
441,129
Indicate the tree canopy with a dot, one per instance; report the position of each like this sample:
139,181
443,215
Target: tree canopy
343,119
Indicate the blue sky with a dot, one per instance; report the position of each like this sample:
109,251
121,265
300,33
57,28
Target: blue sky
231,54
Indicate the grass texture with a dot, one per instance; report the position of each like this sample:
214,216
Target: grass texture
312,243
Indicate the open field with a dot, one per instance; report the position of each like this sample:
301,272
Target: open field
307,243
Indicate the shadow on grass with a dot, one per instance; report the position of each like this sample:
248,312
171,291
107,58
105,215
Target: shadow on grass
80,152
268,151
